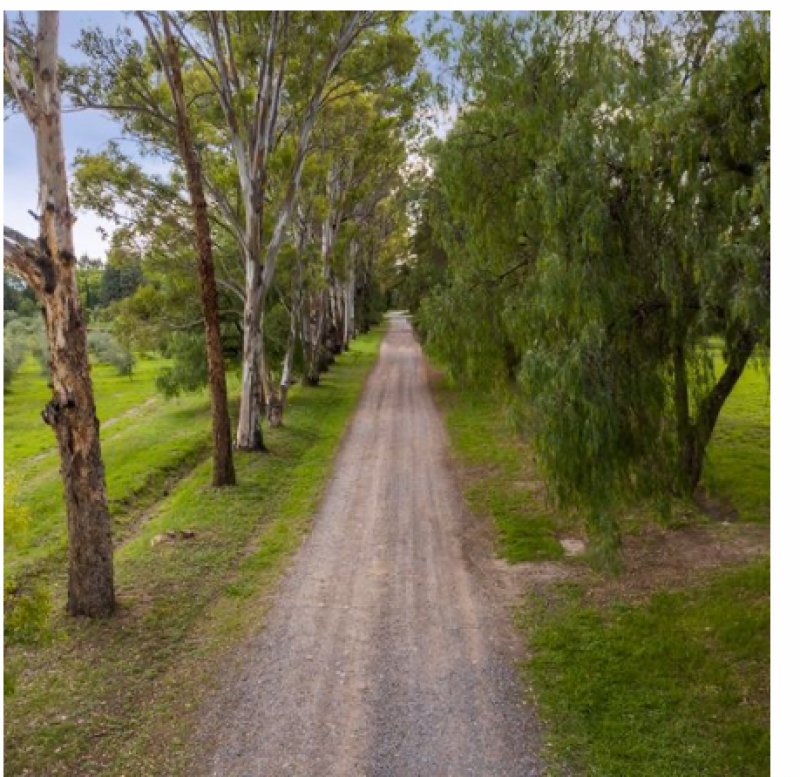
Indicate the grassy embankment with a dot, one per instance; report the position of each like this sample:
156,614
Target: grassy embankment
674,682
116,697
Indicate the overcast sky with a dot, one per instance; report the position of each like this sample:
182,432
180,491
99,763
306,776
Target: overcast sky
89,130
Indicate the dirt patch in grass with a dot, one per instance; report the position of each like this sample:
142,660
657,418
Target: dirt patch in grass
654,559
670,559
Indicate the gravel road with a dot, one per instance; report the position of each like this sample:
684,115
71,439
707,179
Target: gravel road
388,651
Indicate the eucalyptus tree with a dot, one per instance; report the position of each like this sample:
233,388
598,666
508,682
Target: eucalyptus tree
361,147
164,44
603,204
148,95
261,105
48,266
256,83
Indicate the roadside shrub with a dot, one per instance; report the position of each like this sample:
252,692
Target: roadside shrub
108,350
13,356
41,352
26,614
120,358
98,342
188,370
20,336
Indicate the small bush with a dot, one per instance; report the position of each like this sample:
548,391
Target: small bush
20,335
41,352
98,342
188,370
27,614
13,356
15,515
107,350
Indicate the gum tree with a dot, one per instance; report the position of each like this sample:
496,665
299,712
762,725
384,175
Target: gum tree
48,266
166,48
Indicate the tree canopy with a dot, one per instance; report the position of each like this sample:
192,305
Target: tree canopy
596,230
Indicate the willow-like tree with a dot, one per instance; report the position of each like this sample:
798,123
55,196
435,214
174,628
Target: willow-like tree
48,265
603,203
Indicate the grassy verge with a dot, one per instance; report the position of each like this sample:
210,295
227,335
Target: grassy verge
676,686
669,683
501,481
116,697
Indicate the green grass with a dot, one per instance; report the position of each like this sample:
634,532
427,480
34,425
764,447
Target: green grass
739,457
174,434
502,483
116,697
27,435
677,687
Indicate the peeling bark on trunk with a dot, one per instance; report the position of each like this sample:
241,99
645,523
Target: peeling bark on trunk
48,266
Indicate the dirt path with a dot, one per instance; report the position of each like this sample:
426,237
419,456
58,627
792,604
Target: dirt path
386,652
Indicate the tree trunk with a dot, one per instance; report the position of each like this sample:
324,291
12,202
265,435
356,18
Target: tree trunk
711,405
695,434
224,473
248,433
684,427
350,313
278,403
313,337
49,268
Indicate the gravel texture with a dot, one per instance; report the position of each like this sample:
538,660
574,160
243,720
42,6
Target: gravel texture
388,650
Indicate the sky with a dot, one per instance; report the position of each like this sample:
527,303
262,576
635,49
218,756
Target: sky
87,130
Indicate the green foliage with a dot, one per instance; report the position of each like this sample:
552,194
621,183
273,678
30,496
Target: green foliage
188,367
23,335
27,615
365,119
599,211
121,277
676,686
13,356
17,297
107,350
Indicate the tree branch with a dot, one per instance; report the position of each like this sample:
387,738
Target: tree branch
21,257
